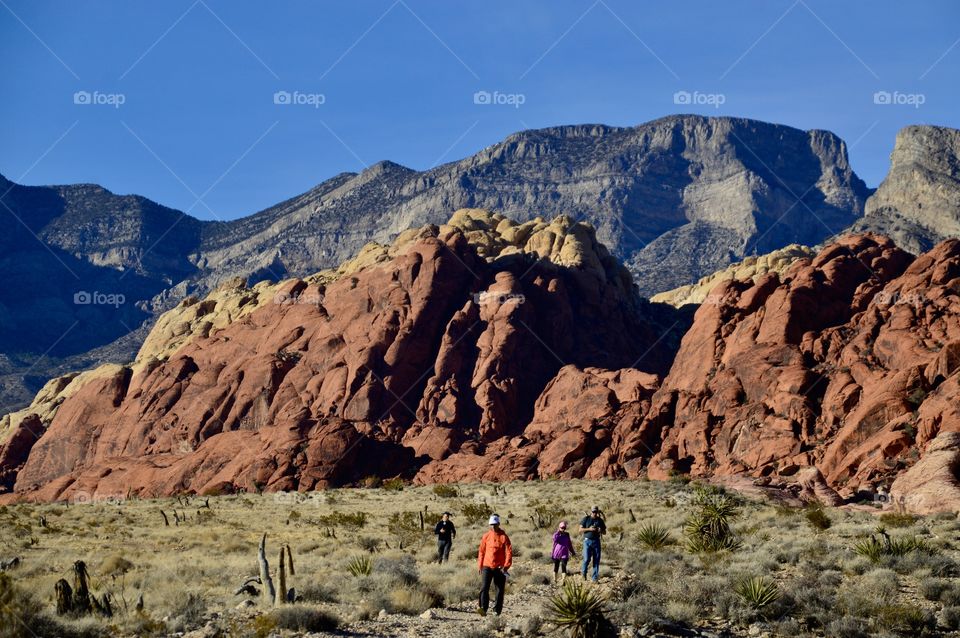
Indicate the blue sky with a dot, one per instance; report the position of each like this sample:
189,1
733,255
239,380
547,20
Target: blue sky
198,128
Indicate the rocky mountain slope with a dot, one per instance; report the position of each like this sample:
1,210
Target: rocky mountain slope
918,203
485,349
752,267
677,199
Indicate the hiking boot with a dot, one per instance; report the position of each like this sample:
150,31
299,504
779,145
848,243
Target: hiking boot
481,611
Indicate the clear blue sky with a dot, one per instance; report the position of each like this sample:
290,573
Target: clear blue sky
198,78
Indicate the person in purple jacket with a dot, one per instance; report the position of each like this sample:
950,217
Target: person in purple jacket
562,551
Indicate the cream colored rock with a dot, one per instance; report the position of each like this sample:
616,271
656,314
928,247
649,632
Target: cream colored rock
753,268
51,395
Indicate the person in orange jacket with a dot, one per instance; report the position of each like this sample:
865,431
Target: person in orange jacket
494,560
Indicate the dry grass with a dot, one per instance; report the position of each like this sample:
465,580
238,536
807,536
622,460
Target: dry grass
188,572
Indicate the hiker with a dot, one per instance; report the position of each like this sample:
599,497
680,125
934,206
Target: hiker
494,560
592,527
562,551
445,532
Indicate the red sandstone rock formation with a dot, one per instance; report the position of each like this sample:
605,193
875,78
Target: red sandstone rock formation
841,374
431,353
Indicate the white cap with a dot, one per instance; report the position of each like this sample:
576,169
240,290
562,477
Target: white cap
494,520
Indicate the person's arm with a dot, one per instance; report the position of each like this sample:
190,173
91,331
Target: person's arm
508,563
436,529
453,530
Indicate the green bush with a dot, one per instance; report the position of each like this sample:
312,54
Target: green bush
474,513
817,517
546,515
875,549
354,520
393,485
707,529
581,610
446,491
654,536
304,618
757,592
360,566
898,519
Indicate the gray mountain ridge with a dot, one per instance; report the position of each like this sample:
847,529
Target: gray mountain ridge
676,199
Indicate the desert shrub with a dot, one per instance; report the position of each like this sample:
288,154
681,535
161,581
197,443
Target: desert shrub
898,519
581,610
532,626
412,600
904,619
654,536
360,566
402,568
393,485
405,527
707,529
474,513
860,598
368,544
446,491
314,592
846,627
188,610
817,517
757,592
875,549
351,520
932,588
546,515
304,618
17,608
949,618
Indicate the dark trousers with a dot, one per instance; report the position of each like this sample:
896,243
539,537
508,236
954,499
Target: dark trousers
443,550
497,577
560,565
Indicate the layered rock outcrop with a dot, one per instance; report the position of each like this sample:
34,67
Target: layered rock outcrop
752,268
847,362
918,203
437,344
484,349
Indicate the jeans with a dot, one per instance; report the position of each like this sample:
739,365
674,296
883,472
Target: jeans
443,550
495,575
560,566
591,550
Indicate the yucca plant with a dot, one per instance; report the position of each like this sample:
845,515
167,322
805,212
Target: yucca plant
360,566
757,591
870,548
708,528
654,536
875,549
579,609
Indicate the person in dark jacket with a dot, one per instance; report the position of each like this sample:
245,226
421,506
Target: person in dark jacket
445,531
562,551
592,527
